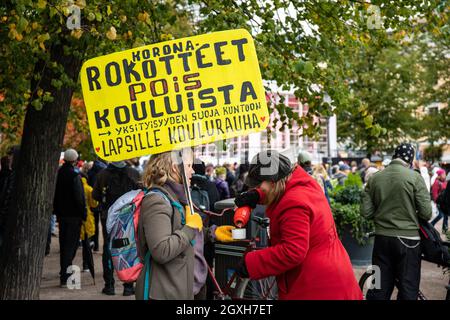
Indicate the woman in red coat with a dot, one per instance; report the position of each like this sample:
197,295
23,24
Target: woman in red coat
305,253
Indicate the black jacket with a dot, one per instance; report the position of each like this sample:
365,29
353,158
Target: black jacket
111,184
230,177
69,200
97,167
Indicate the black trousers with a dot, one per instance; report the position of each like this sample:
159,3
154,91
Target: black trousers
209,253
108,267
97,229
399,261
87,252
49,240
69,235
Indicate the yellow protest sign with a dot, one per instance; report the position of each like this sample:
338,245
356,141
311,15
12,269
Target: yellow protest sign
174,94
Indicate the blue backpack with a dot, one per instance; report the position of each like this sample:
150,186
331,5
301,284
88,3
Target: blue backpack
122,226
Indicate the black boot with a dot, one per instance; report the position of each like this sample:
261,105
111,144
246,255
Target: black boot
128,289
109,291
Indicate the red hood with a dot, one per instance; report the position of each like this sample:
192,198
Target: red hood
299,178
298,189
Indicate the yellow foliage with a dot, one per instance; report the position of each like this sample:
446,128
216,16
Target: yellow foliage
111,34
76,33
81,3
42,4
94,31
143,16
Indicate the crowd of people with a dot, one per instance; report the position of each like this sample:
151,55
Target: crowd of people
397,193
433,175
86,190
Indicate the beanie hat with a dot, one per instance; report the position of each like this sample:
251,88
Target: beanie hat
268,166
344,167
405,151
119,164
304,157
199,167
70,155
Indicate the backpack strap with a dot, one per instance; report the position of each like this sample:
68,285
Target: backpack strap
147,275
179,207
173,203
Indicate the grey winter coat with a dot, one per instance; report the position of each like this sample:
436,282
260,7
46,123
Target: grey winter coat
172,255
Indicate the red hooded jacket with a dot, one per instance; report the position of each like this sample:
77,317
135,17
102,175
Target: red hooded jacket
305,254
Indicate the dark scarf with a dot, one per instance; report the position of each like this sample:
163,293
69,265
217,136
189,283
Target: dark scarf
178,190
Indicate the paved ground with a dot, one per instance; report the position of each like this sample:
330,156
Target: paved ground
50,289
432,284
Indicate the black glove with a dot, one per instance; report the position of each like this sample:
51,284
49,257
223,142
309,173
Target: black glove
249,198
241,270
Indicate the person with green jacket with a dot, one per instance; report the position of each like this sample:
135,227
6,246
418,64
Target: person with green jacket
396,198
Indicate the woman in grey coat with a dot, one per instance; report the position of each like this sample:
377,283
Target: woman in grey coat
167,233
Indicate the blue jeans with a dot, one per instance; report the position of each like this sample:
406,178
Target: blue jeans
52,223
439,217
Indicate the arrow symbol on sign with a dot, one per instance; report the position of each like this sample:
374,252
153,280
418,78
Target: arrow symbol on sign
105,133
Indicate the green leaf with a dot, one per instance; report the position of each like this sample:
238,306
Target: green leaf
368,120
21,24
308,68
47,97
37,104
299,66
57,83
375,131
138,42
42,4
53,11
43,37
91,16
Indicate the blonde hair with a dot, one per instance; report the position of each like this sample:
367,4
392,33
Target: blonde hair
160,168
320,169
277,191
221,171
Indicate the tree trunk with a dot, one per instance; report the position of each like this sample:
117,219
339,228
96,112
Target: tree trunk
22,253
